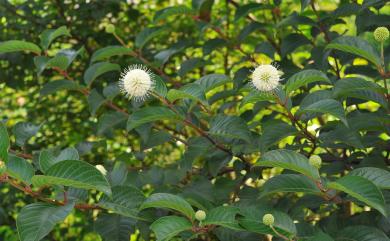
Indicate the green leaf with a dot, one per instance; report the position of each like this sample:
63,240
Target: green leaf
288,159
380,177
95,101
125,200
18,45
163,14
326,106
244,10
171,201
4,142
357,46
36,220
23,131
211,81
20,169
362,189
49,35
151,114
361,233
48,158
146,35
114,227
110,51
57,85
76,174
291,42
257,96
273,132
305,77
361,89
346,85
290,183
223,216
98,69
110,120
160,87
230,127
191,91
168,227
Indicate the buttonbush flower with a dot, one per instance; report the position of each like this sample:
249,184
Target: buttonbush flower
268,219
266,77
136,82
381,34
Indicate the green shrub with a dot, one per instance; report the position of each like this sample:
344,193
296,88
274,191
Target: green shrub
206,120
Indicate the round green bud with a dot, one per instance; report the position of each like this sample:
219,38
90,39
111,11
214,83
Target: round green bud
200,215
315,161
110,28
268,219
381,34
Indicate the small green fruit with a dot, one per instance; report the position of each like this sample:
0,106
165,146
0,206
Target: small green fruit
200,215
110,28
315,161
381,34
268,219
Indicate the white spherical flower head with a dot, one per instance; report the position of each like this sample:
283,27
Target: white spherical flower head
266,77
136,82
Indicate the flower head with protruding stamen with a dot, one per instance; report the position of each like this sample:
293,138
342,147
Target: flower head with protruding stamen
136,82
266,77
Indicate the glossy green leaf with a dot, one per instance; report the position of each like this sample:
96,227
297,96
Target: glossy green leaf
191,91
151,114
167,200
114,227
18,45
95,101
357,46
211,81
288,159
273,132
4,142
326,106
361,233
48,157
76,174
57,85
110,51
362,189
223,216
380,177
97,69
230,127
20,169
36,220
146,35
305,77
290,183
125,200
168,227
49,35
171,11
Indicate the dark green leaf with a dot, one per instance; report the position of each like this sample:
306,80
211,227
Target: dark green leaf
98,69
49,35
168,227
17,45
151,114
76,174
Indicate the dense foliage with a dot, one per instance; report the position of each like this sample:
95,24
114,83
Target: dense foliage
214,150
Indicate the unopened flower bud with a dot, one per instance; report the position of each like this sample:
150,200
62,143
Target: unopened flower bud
381,34
315,161
110,28
200,215
268,219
